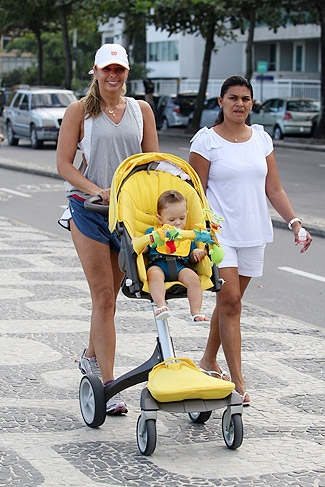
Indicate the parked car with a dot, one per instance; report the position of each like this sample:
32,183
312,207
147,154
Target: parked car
209,114
174,110
36,114
287,116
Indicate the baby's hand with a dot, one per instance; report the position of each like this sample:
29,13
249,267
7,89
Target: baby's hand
1,138
198,255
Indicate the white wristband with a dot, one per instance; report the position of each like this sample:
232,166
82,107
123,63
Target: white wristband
293,221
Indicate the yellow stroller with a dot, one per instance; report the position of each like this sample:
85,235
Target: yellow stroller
136,186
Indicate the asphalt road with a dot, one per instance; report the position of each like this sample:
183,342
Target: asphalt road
39,201
302,172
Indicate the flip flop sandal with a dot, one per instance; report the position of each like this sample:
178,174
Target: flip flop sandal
218,375
163,315
198,322
243,396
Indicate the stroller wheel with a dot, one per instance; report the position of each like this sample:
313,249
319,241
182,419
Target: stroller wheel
200,417
146,435
233,433
92,401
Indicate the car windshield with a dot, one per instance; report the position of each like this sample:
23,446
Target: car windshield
303,106
52,100
186,103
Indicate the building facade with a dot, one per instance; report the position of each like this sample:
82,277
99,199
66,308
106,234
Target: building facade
292,56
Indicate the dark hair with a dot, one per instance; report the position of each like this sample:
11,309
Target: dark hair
169,197
228,83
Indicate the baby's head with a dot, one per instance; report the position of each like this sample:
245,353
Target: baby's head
172,209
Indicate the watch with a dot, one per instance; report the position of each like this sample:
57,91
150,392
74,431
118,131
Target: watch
293,221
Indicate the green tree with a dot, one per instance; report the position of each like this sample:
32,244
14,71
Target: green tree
205,17
31,15
134,14
246,14
54,59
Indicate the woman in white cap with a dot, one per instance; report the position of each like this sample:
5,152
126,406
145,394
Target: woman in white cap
108,127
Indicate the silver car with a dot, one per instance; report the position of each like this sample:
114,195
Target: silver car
287,116
174,110
209,114
36,114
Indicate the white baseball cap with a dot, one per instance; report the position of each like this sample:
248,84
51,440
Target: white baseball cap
110,54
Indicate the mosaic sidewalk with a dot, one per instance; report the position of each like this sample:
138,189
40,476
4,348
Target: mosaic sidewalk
44,320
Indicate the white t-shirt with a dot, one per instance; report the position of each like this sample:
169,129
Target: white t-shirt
236,185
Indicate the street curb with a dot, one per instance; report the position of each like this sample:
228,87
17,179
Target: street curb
314,230
31,170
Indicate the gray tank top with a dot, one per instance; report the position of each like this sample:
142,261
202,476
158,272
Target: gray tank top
106,144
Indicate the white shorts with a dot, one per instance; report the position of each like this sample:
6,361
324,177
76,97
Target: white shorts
249,260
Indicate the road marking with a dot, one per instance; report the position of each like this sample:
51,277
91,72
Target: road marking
16,192
302,273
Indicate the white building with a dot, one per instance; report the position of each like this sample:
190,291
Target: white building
292,54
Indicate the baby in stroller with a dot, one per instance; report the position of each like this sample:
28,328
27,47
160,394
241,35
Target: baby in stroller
172,210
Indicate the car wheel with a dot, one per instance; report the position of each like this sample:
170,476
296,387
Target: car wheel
12,139
277,133
164,125
34,142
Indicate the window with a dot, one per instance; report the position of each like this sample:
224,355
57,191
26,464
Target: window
163,51
272,106
17,100
299,57
24,103
272,57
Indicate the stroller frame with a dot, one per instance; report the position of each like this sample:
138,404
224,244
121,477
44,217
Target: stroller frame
93,395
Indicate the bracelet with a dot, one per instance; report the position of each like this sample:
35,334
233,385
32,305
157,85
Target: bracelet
293,221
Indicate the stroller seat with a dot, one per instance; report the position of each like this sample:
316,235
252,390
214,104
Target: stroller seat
136,211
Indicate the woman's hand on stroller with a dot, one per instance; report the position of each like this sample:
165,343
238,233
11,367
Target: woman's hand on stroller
104,194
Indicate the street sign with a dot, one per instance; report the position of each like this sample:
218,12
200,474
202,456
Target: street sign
265,78
262,66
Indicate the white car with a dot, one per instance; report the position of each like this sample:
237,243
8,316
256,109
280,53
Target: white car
287,116
36,114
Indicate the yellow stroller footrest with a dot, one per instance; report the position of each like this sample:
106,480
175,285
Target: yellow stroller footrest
177,379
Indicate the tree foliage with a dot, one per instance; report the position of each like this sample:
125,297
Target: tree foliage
28,16
206,17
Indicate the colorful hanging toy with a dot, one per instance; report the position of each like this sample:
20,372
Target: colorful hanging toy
169,236
166,236
216,252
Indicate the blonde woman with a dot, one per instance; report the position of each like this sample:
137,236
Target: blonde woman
108,127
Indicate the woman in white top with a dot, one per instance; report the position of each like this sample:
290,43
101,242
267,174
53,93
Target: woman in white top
108,127
237,167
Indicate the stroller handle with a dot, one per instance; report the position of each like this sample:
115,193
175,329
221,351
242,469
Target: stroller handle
94,204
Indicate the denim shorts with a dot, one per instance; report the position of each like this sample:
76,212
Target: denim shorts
162,264
93,225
